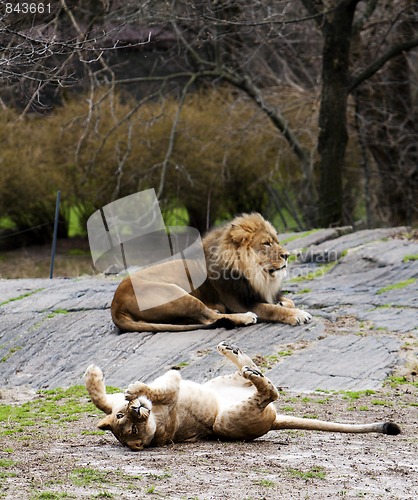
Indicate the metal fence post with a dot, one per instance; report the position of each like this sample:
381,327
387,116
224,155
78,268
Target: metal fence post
54,239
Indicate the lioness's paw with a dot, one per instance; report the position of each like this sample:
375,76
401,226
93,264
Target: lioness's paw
93,371
224,347
301,317
250,373
134,390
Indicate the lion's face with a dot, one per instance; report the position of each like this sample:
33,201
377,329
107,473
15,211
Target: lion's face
249,248
132,423
270,255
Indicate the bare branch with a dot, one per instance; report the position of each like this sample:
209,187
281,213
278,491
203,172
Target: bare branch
380,62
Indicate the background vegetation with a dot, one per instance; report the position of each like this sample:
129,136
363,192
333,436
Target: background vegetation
304,111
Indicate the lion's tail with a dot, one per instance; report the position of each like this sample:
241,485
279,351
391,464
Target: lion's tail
127,324
288,422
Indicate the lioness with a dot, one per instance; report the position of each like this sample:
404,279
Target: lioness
231,407
245,268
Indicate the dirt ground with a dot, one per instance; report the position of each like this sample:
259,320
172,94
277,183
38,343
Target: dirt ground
71,459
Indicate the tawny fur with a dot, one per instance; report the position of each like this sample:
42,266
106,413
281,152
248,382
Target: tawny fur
231,407
245,264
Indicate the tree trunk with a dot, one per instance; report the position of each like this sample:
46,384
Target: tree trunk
386,110
333,135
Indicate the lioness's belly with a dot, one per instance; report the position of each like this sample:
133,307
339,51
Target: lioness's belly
197,411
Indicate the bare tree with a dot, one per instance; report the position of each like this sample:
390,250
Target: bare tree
253,46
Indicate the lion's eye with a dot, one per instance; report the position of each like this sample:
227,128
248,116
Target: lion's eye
267,244
119,415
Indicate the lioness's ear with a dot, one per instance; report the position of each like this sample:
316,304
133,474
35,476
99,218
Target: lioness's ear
104,424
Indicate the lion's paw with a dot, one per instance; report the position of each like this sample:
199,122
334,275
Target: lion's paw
252,318
301,317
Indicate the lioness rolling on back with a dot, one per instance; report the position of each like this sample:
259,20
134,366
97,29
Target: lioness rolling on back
230,407
245,268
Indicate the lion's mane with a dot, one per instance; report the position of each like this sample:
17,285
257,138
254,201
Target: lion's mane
233,265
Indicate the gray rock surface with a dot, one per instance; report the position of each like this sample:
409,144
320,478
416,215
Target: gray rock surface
365,311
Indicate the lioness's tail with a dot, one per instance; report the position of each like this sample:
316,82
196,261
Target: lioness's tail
287,422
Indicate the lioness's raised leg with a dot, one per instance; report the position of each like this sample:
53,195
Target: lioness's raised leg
164,390
234,354
97,390
253,417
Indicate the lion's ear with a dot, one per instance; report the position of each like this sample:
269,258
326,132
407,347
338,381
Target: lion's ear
104,424
238,234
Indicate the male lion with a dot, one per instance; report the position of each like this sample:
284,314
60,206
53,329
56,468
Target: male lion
245,268
231,407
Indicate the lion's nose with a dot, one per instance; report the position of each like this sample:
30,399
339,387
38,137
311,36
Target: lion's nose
284,256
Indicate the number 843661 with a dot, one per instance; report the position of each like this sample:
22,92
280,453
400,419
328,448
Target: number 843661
28,8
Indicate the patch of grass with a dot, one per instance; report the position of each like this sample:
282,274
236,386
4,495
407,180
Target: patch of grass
356,394
397,286
12,350
269,360
86,476
285,353
20,297
313,473
266,483
305,290
7,462
409,258
182,364
380,402
298,236
394,381
78,251
289,409
57,406
320,271
50,495
150,490
55,312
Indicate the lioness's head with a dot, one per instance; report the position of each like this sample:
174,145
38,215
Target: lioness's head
132,423
249,247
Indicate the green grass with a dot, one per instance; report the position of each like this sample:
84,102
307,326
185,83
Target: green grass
52,406
313,473
20,297
266,483
12,350
86,476
7,462
409,258
317,273
50,495
394,381
7,223
298,236
55,312
397,286
351,395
